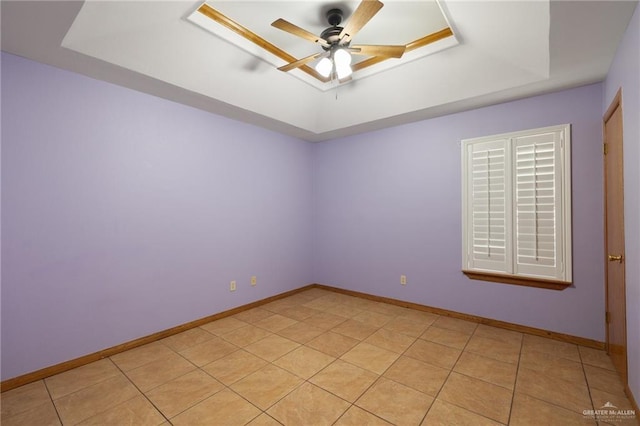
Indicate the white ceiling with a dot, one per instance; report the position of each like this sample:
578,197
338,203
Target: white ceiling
501,50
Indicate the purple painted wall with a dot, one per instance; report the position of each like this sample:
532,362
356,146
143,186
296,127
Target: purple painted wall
625,73
389,202
125,214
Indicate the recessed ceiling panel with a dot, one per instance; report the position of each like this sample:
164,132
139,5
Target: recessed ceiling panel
397,23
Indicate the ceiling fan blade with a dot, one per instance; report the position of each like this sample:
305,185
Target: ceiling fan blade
301,62
287,26
375,50
365,11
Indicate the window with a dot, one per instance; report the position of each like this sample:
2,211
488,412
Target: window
516,207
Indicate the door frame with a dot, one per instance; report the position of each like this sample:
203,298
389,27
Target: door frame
615,104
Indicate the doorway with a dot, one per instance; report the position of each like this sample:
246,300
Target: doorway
616,313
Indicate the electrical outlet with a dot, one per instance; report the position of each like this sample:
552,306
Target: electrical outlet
403,279
254,280
232,286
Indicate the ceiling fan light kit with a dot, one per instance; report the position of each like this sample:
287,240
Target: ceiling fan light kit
336,41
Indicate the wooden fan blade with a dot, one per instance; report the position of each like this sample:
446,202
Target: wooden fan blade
287,26
365,11
301,62
375,50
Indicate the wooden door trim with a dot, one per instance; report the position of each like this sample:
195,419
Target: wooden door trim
616,103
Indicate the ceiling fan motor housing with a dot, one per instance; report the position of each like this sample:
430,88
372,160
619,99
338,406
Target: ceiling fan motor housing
332,34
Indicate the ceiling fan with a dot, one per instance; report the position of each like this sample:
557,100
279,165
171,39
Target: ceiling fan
335,61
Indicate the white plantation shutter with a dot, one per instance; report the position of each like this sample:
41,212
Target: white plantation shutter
516,204
538,205
488,245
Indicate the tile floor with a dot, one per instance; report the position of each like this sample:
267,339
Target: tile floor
320,357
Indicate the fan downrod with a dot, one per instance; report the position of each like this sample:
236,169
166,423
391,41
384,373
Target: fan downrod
332,34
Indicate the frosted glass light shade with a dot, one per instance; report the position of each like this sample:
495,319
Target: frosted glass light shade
342,58
324,67
343,71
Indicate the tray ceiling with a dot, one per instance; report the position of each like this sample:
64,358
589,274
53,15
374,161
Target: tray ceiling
500,50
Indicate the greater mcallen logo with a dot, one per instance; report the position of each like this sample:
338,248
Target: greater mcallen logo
610,412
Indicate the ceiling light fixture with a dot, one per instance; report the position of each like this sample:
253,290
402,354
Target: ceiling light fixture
338,61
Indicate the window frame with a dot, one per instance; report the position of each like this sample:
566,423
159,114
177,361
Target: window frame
506,270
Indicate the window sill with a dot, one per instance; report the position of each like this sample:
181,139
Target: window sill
516,280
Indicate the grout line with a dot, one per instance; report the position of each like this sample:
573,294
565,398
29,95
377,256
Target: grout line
55,407
515,382
139,390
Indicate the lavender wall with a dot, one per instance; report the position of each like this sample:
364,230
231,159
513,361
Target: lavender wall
125,214
389,203
625,74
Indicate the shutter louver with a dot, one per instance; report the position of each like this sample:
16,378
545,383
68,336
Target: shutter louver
537,204
487,191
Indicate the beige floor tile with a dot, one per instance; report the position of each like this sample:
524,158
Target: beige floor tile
603,379
483,398
418,375
356,416
137,357
209,351
299,313
557,348
266,386
455,324
40,415
373,319
406,326
223,408
596,357
186,339
390,340
370,357
245,336
453,338
134,412
333,344
496,333
344,380
433,353
396,403
301,332
304,361
601,398
496,349
442,413
88,402
272,347
279,305
423,317
275,323
308,405
233,367
487,369
324,320
252,315
320,304
528,411
553,365
224,325
554,390
387,309
23,399
343,310
73,380
182,393
355,329
264,420
159,372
